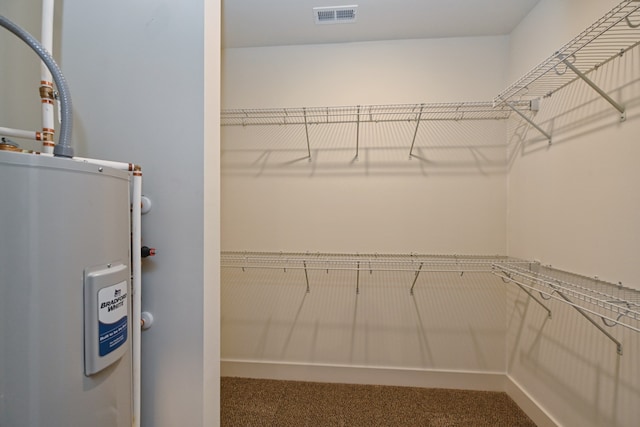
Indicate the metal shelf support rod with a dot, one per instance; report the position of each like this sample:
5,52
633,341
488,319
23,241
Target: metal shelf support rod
531,122
580,310
593,322
507,279
306,131
533,297
358,132
415,132
306,276
415,279
620,108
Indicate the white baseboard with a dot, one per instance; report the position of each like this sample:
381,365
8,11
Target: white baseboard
528,404
467,380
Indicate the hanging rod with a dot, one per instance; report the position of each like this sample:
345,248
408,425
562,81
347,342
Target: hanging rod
485,110
613,304
608,38
530,121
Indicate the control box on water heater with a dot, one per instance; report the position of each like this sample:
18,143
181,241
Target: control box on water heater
106,315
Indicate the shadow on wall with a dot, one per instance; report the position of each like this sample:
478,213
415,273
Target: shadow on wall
368,319
582,369
473,147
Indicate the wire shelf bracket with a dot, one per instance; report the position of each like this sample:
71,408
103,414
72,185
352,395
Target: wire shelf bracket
357,132
593,322
415,279
531,122
415,133
605,40
306,276
602,93
596,300
306,132
507,279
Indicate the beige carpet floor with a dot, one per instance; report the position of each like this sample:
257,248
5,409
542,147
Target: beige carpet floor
253,402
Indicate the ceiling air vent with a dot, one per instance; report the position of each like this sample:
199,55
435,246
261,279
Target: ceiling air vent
335,14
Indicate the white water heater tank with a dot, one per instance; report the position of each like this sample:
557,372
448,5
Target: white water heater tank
65,293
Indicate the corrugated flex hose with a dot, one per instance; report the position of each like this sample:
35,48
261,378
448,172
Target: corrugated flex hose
63,147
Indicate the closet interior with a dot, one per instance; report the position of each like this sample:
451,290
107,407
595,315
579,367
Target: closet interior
370,306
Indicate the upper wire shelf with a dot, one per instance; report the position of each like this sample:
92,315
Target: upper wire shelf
606,39
484,110
363,262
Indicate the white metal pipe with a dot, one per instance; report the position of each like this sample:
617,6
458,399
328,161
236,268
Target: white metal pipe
136,244
46,79
19,133
115,165
47,31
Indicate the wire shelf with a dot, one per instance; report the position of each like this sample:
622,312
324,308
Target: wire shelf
614,304
363,262
485,110
591,297
606,39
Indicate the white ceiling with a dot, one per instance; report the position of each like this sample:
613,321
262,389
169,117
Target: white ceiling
252,23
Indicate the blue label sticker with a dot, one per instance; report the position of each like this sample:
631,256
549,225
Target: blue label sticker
112,335
112,317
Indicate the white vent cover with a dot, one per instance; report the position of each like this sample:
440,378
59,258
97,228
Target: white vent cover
335,14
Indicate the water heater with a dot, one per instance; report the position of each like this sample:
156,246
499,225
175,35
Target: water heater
65,293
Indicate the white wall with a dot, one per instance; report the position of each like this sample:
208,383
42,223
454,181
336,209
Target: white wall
136,71
451,323
401,71
574,205
274,199
449,199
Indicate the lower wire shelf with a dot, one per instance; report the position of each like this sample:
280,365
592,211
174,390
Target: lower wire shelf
612,304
